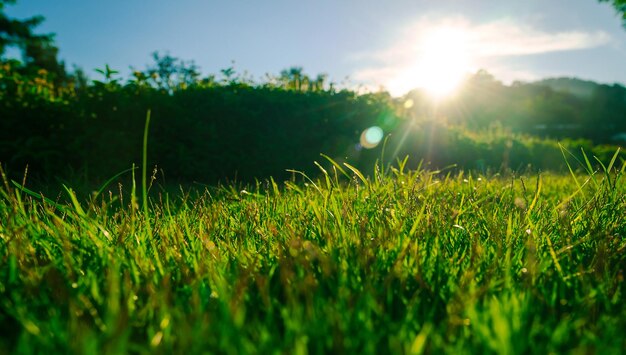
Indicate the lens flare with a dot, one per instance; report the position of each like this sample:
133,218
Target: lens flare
371,137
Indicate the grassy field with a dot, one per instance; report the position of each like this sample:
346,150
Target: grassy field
402,262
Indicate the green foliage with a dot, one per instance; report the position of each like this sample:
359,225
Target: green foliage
553,108
231,128
407,261
203,129
38,50
170,73
494,149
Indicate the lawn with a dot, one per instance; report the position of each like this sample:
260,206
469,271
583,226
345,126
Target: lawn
398,262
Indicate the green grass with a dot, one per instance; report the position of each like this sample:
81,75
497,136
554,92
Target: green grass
403,262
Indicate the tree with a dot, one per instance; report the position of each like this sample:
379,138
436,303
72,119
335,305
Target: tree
169,73
38,50
292,78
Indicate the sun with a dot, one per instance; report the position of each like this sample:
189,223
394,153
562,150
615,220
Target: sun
442,60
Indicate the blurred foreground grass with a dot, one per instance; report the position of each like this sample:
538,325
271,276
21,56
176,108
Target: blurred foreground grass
403,262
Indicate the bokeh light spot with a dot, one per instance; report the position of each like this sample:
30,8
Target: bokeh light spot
371,137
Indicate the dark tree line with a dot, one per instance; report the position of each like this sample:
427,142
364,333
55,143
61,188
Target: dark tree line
229,126
555,108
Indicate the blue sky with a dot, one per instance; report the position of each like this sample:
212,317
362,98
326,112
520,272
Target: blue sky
371,42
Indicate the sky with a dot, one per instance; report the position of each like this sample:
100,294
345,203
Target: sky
395,44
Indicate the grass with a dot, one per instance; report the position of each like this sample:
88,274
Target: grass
402,262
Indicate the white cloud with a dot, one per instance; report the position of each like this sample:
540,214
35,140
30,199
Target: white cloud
505,38
484,45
